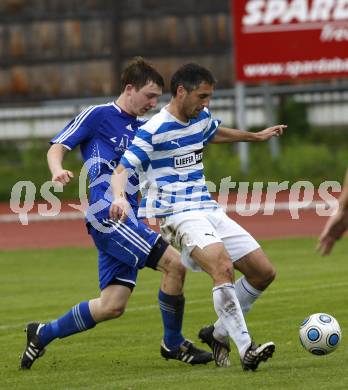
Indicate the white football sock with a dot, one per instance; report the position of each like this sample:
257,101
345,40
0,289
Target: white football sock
231,319
246,294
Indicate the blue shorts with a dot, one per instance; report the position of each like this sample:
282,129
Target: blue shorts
123,249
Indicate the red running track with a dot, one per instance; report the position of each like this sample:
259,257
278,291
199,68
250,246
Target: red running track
72,233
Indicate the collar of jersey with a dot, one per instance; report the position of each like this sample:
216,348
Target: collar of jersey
123,113
174,117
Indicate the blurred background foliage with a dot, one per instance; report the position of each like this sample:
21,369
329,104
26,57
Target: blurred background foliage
307,153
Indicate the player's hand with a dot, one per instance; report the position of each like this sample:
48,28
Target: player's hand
119,209
62,176
325,245
333,231
274,131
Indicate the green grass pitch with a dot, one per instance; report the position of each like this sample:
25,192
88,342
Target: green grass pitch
124,353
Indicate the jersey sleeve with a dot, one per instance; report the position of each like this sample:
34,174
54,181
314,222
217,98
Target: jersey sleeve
211,128
139,152
80,129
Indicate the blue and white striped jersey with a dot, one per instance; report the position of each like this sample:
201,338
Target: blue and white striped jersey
103,133
168,155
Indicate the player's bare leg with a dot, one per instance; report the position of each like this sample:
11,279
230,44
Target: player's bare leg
111,303
173,272
257,268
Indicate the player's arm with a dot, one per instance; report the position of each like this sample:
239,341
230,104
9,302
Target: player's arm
337,224
120,207
228,135
78,130
343,201
55,156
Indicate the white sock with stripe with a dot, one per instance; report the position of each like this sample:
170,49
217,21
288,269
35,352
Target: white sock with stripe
246,294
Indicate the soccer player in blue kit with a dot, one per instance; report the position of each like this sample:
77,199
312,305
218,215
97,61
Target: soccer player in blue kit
103,133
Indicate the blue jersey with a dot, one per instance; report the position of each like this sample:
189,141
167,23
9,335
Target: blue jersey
168,154
103,133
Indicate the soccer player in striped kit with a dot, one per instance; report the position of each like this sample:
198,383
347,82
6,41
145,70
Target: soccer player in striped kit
103,133
168,152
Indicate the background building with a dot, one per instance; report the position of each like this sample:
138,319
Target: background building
62,49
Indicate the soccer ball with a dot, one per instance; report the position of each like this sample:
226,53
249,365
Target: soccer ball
320,334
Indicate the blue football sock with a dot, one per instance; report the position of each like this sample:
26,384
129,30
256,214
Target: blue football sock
78,319
172,310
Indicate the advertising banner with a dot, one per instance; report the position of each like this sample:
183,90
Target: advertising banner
284,40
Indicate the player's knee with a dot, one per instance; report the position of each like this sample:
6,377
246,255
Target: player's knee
222,272
265,278
116,312
176,268
113,311
171,264
270,275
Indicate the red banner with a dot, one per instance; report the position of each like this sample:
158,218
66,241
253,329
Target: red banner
290,39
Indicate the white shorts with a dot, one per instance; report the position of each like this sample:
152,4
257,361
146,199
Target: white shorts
204,227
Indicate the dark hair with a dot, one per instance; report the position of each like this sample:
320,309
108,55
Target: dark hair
138,72
190,76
